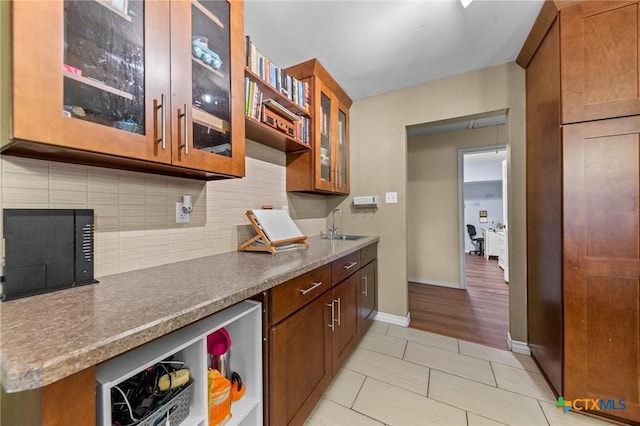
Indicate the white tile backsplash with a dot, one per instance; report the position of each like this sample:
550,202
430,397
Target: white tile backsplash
135,212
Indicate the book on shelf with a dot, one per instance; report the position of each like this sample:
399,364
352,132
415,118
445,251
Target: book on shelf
290,87
279,109
254,102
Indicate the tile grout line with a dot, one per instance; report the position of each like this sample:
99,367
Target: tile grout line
495,379
354,403
543,413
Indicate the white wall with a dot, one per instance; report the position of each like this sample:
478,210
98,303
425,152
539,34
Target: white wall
478,171
471,217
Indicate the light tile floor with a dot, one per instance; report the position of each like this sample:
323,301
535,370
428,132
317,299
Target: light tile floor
406,377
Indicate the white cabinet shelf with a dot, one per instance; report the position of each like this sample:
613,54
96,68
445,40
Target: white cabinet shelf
244,324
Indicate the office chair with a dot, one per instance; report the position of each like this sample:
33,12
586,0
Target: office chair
478,242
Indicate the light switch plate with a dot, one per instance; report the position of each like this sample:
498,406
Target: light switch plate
181,217
391,197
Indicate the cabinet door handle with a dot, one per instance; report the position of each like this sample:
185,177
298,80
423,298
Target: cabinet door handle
163,124
313,285
330,325
338,302
185,115
349,265
365,278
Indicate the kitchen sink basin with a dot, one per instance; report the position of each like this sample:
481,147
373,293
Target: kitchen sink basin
343,237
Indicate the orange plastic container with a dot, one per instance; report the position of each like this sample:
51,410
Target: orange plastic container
219,398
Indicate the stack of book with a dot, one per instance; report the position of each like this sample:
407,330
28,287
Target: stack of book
256,100
295,90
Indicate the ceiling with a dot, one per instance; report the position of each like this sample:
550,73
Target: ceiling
374,46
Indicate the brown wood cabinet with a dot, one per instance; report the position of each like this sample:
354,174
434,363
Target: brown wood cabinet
300,362
600,60
325,169
583,181
123,87
544,208
602,262
367,297
345,319
311,335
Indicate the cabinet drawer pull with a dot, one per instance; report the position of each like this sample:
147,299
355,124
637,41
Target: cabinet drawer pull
338,302
163,124
186,130
349,265
330,325
365,278
313,285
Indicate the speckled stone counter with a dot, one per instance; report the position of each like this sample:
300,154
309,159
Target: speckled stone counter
48,337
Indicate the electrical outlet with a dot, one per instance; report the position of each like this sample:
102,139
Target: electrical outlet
391,197
181,217
285,207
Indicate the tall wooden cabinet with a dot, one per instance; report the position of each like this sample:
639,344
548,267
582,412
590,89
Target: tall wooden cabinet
602,261
144,85
325,169
583,187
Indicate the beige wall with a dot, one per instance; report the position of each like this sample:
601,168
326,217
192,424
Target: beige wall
433,230
379,164
135,212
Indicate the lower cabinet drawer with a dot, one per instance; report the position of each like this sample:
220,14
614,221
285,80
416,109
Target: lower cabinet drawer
345,266
288,297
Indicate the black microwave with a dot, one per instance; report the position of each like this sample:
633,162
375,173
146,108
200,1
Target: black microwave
46,250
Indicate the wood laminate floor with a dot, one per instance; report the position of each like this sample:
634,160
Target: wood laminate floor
479,314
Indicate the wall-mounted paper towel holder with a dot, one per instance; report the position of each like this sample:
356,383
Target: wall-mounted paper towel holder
367,201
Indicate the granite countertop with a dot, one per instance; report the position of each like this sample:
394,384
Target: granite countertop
48,337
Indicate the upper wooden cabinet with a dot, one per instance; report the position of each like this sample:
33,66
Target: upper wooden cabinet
326,168
146,85
600,70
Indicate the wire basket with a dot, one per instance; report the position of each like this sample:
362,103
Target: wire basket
177,409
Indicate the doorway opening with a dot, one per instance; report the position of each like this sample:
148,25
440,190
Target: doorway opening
483,208
444,298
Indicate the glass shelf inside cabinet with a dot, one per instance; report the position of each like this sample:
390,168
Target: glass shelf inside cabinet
211,79
104,63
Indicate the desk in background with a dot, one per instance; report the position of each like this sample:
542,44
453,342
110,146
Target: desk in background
494,245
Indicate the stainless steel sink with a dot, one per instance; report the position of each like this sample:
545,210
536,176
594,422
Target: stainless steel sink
343,237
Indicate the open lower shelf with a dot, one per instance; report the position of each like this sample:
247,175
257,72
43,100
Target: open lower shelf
243,321
267,135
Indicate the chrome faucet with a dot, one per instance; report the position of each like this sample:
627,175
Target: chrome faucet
333,231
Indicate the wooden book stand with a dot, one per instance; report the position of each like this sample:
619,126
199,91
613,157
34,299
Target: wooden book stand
277,225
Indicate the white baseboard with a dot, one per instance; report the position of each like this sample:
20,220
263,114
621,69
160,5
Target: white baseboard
517,346
393,319
434,282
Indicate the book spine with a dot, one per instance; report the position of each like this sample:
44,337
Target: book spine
247,88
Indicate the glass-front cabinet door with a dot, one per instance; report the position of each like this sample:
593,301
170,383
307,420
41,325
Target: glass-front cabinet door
326,154
342,163
92,75
133,79
332,145
207,125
